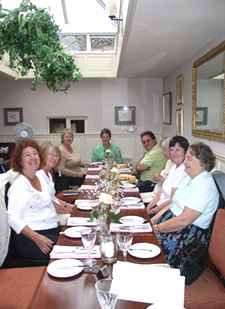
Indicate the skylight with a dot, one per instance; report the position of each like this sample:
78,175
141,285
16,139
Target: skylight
84,24
84,16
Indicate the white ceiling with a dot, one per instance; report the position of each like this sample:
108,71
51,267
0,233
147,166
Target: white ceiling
163,34
160,35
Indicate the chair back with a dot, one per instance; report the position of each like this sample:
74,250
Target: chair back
217,243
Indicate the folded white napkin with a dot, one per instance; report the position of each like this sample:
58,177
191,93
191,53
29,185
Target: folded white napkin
136,228
72,252
94,169
87,187
92,176
73,221
149,284
125,171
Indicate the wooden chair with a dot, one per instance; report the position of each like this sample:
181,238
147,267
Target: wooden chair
208,292
19,286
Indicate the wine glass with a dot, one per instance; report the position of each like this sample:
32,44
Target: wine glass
88,240
115,207
124,240
106,293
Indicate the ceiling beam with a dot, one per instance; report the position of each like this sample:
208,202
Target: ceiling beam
64,12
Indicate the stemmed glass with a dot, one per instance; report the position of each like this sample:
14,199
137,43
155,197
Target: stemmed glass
106,293
124,240
116,205
88,240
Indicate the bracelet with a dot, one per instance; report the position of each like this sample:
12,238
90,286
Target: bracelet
157,229
65,205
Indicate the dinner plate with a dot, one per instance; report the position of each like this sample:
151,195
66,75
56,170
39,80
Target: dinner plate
65,268
130,199
162,306
131,220
144,250
84,206
126,185
75,231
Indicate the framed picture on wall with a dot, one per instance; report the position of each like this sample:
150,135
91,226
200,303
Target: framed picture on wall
179,121
180,89
12,116
124,115
201,116
167,108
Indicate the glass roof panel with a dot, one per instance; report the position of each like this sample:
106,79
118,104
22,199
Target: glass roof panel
84,16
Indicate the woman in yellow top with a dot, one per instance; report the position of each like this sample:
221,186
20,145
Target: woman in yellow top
71,163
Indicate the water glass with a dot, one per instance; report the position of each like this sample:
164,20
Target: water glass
88,240
124,240
106,293
115,207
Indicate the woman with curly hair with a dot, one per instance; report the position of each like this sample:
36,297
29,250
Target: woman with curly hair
31,213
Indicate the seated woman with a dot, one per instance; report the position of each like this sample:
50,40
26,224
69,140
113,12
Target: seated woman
53,156
193,205
31,212
178,147
70,160
99,151
147,197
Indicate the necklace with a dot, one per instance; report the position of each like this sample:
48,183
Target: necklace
32,180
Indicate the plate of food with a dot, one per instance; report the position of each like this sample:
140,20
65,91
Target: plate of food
75,231
132,220
128,178
65,268
123,165
144,250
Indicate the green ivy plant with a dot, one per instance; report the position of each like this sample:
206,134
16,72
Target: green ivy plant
31,38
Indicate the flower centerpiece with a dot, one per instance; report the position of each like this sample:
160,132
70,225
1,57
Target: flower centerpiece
104,208
109,160
108,154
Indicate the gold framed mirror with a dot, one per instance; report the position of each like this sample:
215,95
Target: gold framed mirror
208,102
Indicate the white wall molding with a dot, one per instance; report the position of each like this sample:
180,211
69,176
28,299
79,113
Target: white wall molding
130,145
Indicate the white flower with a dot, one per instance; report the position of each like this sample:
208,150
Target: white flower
114,171
108,150
105,198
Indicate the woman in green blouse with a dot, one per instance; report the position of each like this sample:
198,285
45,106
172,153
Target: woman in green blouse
99,151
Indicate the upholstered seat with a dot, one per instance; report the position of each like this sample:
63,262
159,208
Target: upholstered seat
208,292
19,286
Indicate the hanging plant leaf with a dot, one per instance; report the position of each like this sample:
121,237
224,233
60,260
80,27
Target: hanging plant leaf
31,38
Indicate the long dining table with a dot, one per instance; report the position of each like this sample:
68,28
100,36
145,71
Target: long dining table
79,291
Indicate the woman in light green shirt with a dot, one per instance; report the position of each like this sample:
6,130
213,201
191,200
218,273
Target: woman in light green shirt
99,151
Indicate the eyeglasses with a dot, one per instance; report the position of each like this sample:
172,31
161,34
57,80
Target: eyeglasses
53,155
147,141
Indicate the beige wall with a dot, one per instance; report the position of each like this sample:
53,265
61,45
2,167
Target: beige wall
169,85
94,98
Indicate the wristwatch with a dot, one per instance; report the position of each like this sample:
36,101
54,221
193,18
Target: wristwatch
157,229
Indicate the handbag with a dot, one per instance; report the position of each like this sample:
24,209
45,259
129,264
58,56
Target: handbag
192,260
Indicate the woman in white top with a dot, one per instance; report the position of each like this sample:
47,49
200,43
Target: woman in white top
31,212
178,146
53,156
